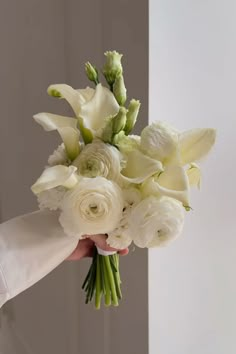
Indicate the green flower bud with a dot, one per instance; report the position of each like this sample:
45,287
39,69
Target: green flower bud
132,115
91,73
118,137
107,132
119,90
119,120
112,67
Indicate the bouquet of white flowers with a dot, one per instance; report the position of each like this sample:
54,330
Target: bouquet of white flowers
103,180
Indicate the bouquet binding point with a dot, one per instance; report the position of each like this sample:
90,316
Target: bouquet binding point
104,180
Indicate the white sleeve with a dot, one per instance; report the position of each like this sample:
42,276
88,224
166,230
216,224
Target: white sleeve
31,246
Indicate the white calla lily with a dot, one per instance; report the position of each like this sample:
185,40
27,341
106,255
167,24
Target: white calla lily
66,127
139,167
72,96
194,175
98,109
172,182
56,176
195,144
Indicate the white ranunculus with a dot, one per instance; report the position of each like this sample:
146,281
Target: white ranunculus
156,222
94,206
99,159
58,157
132,196
121,237
52,198
160,141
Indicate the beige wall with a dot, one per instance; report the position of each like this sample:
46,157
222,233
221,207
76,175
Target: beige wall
45,42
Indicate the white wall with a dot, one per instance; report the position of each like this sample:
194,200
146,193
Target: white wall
192,287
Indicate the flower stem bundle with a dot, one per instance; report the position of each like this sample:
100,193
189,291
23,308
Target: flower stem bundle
103,280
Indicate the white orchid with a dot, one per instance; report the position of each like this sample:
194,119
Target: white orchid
94,206
156,222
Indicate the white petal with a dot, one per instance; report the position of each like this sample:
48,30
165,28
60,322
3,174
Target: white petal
173,182
195,144
56,176
139,167
194,175
72,96
86,94
66,127
102,105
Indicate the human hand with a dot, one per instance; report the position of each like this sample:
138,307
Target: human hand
85,247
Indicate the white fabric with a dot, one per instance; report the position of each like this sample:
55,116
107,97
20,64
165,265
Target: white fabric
31,246
105,253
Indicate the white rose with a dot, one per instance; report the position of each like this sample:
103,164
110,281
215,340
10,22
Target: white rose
155,222
160,141
94,206
99,159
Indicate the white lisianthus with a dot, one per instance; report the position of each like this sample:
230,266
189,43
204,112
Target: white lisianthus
94,206
160,141
58,157
52,198
99,159
121,237
156,222
126,143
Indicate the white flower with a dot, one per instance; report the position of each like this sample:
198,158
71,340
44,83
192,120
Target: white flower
121,237
55,176
155,222
172,182
160,141
195,144
92,107
99,159
66,127
126,143
94,206
58,157
52,198
132,197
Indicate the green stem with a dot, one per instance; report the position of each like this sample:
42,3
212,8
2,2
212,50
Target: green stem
106,284
111,280
117,278
98,284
